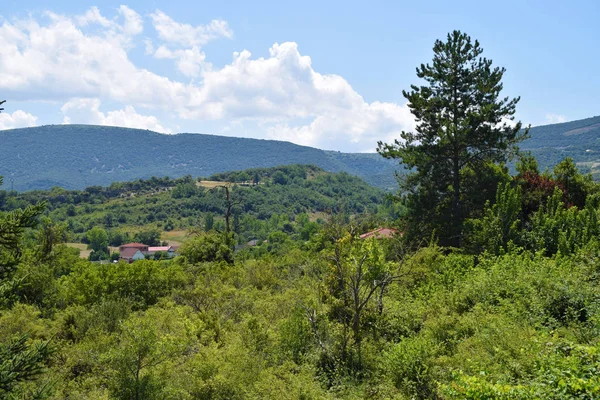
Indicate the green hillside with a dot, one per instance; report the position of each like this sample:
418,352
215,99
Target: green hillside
77,156
579,140
171,206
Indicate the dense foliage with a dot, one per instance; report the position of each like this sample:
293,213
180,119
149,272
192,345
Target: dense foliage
513,315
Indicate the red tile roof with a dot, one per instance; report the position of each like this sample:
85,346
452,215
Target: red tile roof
159,248
136,245
381,233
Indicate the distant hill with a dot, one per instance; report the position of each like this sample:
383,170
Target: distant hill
77,156
579,140
169,204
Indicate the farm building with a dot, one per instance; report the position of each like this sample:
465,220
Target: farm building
138,251
131,254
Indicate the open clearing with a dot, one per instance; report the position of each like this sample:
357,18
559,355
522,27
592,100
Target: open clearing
212,184
175,238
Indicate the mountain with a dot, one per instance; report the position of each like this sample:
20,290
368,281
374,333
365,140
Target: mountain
579,140
77,156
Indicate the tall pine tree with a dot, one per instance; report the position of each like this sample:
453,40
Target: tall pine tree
464,129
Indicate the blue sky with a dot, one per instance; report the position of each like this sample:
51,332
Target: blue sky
323,73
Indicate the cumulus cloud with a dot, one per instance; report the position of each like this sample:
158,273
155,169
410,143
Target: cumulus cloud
282,91
280,96
182,42
555,118
132,21
190,62
59,60
187,35
87,111
92,16
18,119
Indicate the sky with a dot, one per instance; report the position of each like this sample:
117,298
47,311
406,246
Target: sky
326,74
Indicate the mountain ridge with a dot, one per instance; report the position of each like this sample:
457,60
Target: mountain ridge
77,156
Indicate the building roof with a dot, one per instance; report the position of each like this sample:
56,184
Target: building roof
136,245
128,253
381,233
159,248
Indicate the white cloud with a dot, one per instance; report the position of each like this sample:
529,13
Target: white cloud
282,91
87,111
280,96
187,35
359,129
190,62
133,24
148,46
182,42
92,16
18,119
132,21
59,60
555,118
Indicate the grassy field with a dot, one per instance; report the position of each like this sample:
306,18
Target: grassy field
175,238
212,184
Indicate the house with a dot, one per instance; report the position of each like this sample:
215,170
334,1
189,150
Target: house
168,250
131,254
381,233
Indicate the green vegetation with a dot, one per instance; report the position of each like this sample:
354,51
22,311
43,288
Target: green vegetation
274,294
324,314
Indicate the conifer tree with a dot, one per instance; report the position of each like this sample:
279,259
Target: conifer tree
462,124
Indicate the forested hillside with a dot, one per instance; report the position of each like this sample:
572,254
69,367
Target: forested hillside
579,140
263,200
77,156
